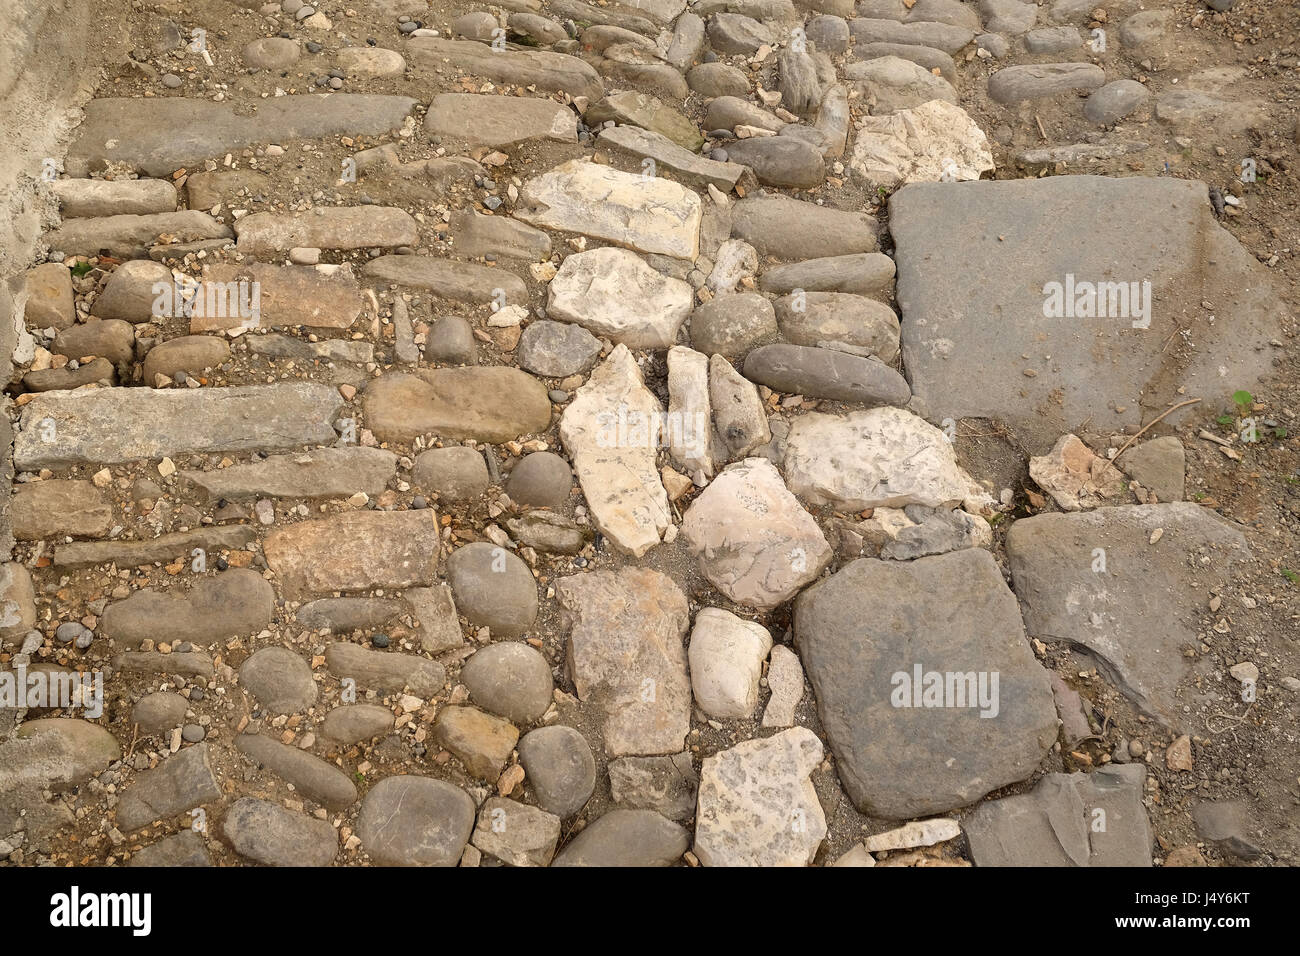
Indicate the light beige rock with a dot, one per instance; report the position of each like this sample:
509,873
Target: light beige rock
936,141
613,293
611,432
726,657
1075,476
648,214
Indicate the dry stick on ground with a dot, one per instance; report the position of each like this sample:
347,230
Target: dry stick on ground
1172,408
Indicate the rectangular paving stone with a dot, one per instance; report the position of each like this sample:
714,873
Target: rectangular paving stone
480,119
113,425
131,237
320,297
550,72
160,135
333,227
976,261
355,552
680,164
458,281
320,473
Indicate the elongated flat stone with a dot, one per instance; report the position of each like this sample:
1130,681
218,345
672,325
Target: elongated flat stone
111,425
668,157
477,236
235,603
79,198
324,297
181,782
447,279
86,554
552,72
44,509
131,237
486,120
489,403
1031,81
649,113
158,136
330,227
310,776
645,214
338,472
356,551
385,672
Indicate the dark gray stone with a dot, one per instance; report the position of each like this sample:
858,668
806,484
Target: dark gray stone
181,782
780,161
787,229
279,679
560,767
557,349
312,777
862,634
824,373
1068,819
510,679
493,588
540,480
956,350
270,834
1136,613
455,474
667,785
626,838
733,325
185,848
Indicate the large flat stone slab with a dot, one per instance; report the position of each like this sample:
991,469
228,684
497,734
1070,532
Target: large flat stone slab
327,297
547,71
1058,823
678,163
159,135
111,425
972,308
320,473
131,237
906,743
1135,606
647,214
478,119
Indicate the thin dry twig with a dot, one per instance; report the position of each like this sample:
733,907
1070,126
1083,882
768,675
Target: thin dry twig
1172,408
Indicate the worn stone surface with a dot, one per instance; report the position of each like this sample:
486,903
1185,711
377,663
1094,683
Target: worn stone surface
626,838
279,679
46,509
181,782
648,215
235,603
954,348
757,804
310,775
1109,609
826,373
161,135
477,739
726,659
447,279
492,403
486,120
935,140
610,431
415,821
355,551
386,672
614,294
268,833
1052,824
320,473
493,588
753,540
786,229
867,634
551,72
626,658
560,767
105,426
515,833
666,785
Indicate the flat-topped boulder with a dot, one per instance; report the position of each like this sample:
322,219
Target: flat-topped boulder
331,472
1103,302
111,425
159,135
52,508
478,236
649,113
310,775
926,685
545,70
355,551
448,279
479,119
491,403
1029,81
387,673
1138,604
650,215
131,237
326,227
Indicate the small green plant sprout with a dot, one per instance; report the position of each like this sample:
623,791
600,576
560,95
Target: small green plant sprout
1290,575
1244,401
81,269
